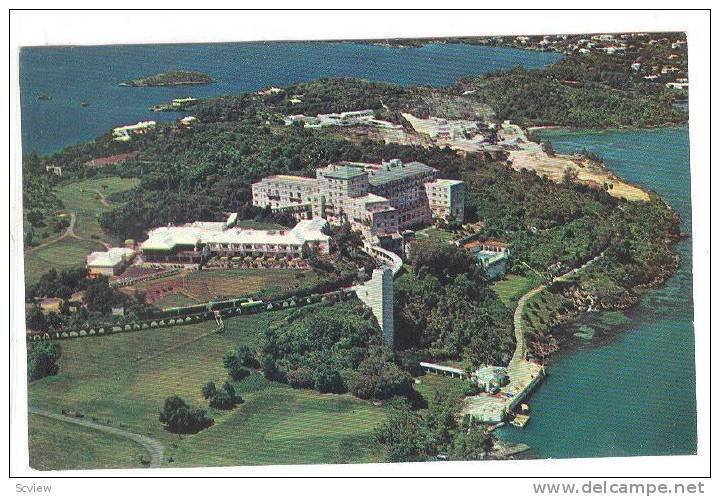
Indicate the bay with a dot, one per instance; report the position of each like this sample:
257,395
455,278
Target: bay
630,391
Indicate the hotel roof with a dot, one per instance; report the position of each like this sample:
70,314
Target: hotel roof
111,258
446,182
342,172
387,173
167,238
289,178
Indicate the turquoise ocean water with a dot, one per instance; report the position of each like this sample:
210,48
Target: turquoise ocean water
633,394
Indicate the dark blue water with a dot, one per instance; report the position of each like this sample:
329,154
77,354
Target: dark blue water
634,394
73,75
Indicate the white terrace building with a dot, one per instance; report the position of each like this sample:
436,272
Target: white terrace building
188,243
283,191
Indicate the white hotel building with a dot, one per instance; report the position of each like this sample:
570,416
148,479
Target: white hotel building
380,199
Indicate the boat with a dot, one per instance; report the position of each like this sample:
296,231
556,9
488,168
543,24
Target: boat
44,97
520,420
84,104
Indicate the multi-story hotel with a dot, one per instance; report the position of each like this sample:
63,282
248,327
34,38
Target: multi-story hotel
379,199
283,191
446,198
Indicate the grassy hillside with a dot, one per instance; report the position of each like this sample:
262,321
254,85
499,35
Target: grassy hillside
103,378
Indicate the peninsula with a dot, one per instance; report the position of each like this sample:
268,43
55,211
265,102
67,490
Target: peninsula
171,78
336,236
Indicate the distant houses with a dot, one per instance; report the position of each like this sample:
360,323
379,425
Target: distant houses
125,133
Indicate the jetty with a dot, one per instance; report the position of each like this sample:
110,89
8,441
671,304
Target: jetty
524,375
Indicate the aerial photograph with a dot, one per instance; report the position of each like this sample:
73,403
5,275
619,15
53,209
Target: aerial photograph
357,251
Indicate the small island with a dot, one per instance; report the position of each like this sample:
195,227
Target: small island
171,78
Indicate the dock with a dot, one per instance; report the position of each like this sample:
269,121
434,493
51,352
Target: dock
494,408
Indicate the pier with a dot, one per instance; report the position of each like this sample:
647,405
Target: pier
524,375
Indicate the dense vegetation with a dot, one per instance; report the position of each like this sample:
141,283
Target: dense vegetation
42,359
541,97
333,348
96,306
171,78
411,436
444,309
178,417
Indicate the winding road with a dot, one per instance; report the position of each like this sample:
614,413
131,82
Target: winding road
520,349
155,448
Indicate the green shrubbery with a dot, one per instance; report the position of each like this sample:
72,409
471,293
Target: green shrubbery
178,417
409,435
223,398
42,359
444,307
333,348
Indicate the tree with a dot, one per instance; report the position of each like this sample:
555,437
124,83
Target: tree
222,400
36,218
441,421
471,444
247,357
99,296
570,175
404,435
234,366
547,147
35,319
177,417
328,380
300,378
42,359
225,398
208,390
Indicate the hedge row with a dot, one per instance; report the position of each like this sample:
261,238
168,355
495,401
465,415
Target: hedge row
246,307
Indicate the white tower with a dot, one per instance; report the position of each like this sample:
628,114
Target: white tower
377,294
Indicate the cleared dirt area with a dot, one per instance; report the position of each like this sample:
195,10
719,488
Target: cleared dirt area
554,168
529,155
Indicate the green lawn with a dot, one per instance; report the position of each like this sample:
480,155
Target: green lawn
78,197
55,445
512,287
102,378
202,286
81,197
433,233
67,253
431,383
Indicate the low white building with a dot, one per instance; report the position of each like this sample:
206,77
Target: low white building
124,133
109,263
190,242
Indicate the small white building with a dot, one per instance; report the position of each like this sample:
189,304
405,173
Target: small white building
124,133
109,263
